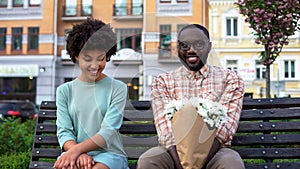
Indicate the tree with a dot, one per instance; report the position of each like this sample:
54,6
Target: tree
272,21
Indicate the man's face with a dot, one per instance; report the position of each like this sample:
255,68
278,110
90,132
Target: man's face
193,48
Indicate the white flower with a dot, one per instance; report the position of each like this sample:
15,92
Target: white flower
213,113
172,108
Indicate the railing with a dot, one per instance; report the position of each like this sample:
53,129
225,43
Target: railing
128,9
77,11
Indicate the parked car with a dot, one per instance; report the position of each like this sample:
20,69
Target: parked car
24,109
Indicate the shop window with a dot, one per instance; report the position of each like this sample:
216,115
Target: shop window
2,39
129,38
17,38
289,69
33,38
18,85
18,3
132,87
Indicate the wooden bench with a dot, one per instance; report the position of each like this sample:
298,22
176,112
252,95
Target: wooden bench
268,136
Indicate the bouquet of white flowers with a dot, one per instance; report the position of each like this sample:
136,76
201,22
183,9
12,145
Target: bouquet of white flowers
194,124
213,113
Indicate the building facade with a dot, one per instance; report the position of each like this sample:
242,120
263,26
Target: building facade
27,49
235,48
34,61
146,37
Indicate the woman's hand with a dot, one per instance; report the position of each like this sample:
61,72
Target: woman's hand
67,160
85,161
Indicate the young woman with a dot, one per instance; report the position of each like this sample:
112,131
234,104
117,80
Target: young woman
90,108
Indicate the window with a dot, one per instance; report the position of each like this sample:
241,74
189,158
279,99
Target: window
33,38
260,70
180,26
34,2
231,26
17,38
121,8
165,1
232,65
137,7
18,3
165,37
70,7
289,69
86,9
2,39
129,38
3,3
182,1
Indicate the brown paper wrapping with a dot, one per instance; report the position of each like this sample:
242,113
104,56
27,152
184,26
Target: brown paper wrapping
193,138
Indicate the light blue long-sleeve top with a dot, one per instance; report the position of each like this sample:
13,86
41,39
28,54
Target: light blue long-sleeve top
85,109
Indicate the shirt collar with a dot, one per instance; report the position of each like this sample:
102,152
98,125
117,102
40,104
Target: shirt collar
202,73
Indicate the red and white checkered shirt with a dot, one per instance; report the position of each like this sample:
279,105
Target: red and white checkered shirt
210,82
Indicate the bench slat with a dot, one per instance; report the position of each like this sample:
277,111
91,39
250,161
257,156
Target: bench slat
140,141
279,153
46,153
46,128
267,114
268,126
273,166
138,129
46,140
47,114
270,103
41,165
266,139
138,115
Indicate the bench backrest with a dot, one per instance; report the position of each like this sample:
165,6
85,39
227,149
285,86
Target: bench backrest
268,133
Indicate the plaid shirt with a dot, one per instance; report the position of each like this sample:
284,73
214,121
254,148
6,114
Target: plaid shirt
210,82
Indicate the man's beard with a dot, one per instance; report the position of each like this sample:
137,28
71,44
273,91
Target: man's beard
195,68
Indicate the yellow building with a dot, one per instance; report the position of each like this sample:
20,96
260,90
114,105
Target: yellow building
235,47
146,32
27,55
32,42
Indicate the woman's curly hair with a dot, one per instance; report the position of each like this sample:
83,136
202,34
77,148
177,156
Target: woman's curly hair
89,35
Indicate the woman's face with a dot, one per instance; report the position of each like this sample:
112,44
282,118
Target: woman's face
193,48
91,63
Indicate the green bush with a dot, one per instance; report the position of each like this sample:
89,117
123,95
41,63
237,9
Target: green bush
16,141
15,160
16,137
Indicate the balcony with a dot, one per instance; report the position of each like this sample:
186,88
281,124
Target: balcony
128,11
76,12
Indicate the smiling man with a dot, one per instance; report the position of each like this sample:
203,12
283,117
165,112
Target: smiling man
195,79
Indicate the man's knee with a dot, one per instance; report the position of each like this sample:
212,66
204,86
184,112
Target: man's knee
155,158
226,158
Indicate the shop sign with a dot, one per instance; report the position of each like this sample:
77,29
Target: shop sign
19,70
